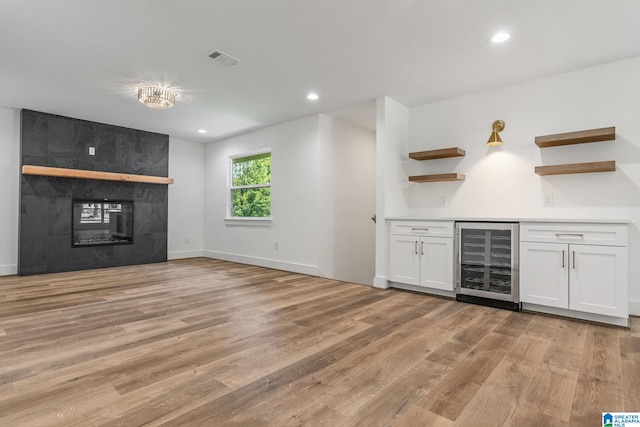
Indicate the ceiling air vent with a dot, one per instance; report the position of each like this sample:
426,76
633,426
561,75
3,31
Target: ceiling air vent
224,58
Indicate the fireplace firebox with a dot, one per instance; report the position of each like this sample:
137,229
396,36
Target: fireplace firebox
102,222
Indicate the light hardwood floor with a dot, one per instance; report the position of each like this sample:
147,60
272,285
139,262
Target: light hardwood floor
210,343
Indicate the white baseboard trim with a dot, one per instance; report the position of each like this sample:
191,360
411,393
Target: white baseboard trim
293,267
380,282
8,270
634,307
577,314
431,291
184,254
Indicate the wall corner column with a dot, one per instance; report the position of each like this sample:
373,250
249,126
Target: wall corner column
392,142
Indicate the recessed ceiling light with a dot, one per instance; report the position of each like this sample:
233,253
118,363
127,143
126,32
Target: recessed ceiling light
312,96
202,131
500,37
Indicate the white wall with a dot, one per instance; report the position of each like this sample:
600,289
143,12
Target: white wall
322,199
9,185
294,199
346,201
392,146
186,199
501,183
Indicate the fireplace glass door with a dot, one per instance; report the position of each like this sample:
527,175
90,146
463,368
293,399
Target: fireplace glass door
102,222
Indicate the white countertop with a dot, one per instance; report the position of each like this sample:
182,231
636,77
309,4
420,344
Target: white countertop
569,220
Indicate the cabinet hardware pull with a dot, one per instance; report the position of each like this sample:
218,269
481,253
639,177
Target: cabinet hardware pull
419,229
570,234
574,260
563,259
415,245
421,248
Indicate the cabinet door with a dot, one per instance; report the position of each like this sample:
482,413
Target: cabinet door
436,263
598,280
404,259
544,272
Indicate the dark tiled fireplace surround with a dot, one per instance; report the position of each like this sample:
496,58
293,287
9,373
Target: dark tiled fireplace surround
46,203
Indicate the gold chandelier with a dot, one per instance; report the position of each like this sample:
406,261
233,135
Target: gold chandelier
156,97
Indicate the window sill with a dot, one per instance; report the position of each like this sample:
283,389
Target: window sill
253,222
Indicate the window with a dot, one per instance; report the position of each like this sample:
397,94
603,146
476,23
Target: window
250,189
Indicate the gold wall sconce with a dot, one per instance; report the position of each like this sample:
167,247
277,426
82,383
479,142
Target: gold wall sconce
494,139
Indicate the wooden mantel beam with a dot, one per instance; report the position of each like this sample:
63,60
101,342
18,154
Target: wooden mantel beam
86,174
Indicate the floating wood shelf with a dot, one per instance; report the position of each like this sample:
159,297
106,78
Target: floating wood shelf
86,174
607,166
437,154
580,137
437,177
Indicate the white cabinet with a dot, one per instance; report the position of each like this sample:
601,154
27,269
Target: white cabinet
543,274
404,260
421,254
436,263
581,267
598,280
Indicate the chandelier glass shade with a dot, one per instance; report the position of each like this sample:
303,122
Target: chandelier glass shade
156,97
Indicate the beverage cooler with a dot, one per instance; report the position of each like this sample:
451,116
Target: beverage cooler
487,264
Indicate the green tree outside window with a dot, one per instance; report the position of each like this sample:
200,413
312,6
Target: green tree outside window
251,186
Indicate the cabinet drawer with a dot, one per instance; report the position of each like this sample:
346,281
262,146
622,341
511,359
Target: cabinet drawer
423,228
592,234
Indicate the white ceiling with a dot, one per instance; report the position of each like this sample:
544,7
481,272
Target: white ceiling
85,58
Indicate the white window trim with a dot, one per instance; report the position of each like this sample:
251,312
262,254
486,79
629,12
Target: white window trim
250,153
238,220
255,222
240,187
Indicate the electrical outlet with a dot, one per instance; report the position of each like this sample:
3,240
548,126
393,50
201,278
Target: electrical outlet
548,199
92,151
276,246
443,202
187,239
